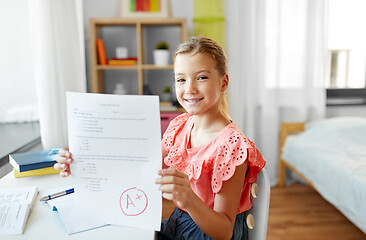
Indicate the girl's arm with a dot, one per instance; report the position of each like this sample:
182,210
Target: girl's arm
217,223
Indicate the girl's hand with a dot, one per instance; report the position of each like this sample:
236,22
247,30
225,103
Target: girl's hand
63,162
175,186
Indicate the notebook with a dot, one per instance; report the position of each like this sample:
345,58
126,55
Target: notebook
33,160
36,172
15,207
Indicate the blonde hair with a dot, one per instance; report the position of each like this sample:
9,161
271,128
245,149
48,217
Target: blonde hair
206,45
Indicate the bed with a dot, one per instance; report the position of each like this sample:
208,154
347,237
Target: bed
329,155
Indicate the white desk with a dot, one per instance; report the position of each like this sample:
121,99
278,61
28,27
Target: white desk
43,223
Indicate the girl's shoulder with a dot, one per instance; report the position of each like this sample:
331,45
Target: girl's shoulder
234,149
174,127
180,119
231,136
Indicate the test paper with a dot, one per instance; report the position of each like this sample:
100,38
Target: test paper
115,144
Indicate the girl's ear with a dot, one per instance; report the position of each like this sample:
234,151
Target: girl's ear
225,82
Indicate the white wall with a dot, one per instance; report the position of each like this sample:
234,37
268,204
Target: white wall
17,90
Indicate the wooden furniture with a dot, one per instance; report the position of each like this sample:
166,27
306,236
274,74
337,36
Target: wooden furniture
287,129
43,223
139,24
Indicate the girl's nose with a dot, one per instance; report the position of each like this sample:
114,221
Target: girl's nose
191,87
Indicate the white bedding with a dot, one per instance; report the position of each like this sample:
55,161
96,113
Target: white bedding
331,154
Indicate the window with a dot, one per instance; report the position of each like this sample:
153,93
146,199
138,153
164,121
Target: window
346,83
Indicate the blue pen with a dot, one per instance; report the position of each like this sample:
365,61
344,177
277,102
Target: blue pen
56,195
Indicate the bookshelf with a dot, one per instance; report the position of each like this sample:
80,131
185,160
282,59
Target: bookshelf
139,30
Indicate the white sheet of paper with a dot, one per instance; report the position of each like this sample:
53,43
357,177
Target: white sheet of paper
64,206
115,142
76,224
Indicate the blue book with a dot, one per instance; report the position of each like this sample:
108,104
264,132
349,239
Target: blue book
33,160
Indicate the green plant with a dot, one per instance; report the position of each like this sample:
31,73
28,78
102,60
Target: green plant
167,89
162,45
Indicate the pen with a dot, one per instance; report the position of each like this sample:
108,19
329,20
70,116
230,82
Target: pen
56,195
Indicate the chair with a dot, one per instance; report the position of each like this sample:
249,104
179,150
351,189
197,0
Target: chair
257,216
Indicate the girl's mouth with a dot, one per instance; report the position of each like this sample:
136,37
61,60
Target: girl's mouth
193,101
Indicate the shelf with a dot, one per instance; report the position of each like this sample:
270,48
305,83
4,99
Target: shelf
155,67
116,67
136,21
134,67
139,34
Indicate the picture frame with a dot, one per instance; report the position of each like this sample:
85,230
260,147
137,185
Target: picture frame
145,8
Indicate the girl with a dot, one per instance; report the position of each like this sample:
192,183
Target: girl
211,163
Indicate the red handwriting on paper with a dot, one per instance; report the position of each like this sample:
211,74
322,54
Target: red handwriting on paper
133,202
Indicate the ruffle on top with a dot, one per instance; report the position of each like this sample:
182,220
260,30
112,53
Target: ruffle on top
174,126
233,152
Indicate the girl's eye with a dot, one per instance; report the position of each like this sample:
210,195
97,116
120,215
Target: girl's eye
202,78
181,80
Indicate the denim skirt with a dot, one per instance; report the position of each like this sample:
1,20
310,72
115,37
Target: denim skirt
181,226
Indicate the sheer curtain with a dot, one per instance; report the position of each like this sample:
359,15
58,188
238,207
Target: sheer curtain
58,61
18,102
209,20
277,64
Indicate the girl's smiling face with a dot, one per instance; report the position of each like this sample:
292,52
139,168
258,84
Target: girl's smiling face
198,84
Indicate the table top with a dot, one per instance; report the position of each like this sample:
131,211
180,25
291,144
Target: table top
46,224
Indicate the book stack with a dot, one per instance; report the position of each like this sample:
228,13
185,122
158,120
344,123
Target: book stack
34,163
123,61
103,59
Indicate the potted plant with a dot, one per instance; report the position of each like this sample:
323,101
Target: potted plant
161,54
166,97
